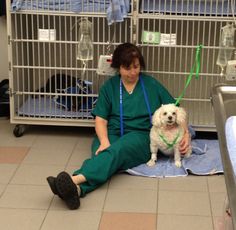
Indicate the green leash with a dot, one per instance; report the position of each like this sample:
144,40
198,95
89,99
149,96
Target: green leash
170,145
196,65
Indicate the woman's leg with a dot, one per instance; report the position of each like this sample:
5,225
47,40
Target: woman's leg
79,178
126,152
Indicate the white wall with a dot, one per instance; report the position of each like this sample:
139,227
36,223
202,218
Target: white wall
3,48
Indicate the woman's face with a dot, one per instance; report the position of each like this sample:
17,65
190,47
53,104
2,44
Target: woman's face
130,74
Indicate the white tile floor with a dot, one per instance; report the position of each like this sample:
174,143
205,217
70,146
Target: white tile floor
124,203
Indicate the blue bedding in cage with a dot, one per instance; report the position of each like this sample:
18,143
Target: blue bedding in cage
230,132
198,7
62,5
116,10
69,100
47,107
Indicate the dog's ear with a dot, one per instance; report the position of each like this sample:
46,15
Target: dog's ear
156,118
181,115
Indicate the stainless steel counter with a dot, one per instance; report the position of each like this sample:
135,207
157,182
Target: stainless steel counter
224,104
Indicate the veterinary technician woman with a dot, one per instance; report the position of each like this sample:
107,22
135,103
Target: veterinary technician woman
123,113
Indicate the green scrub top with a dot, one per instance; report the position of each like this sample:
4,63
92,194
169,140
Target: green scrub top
135,111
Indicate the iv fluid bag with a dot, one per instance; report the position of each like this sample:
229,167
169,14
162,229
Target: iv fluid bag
226,46
85,48
85,45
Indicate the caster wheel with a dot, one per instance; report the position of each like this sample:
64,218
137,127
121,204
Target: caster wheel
19,130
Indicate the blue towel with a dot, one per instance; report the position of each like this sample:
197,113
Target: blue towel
117,11
40,4
16,5
46,107
71,101
62,5
205,160
219,7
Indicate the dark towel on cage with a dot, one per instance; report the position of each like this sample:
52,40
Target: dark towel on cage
58,82
71,87
76,98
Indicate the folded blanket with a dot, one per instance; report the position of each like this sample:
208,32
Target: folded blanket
219,7
117,11
61,5
205,160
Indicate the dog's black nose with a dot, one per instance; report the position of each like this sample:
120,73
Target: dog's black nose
170,117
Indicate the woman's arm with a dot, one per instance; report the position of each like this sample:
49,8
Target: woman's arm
101,131
185,142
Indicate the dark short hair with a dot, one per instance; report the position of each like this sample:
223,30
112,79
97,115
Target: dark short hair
125,54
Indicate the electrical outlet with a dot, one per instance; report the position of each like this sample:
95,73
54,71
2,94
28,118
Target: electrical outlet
231,70
104,66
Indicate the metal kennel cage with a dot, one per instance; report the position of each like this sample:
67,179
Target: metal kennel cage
46,77
182,26
43,42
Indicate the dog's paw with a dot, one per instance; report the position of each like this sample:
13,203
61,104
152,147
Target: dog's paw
178,164
151,163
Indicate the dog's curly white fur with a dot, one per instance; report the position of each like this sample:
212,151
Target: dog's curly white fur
166,133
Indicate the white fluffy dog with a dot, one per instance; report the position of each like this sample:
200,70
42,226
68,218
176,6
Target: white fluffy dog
166,133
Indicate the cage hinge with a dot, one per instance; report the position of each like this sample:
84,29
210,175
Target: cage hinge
9,39
9,66
10,92
134,33
135,5
135,20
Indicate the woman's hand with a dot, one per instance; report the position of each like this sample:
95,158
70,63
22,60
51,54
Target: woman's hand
185,143
102,146
101,131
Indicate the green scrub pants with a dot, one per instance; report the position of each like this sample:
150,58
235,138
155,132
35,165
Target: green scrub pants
124,152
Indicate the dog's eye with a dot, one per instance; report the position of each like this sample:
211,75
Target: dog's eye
165,113
174,113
